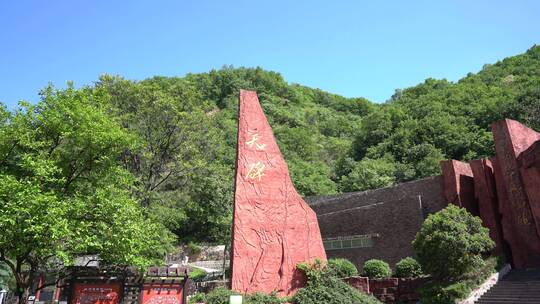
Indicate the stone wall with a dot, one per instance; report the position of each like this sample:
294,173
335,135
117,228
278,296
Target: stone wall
389,218
390,290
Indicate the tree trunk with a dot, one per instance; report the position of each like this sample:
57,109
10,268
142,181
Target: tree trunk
22,292
24,283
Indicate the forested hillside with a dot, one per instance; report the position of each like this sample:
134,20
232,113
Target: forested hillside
184,155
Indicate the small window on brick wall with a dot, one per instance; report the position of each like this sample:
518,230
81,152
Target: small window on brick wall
348,242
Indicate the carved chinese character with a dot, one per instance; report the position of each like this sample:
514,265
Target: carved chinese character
253,142
256,171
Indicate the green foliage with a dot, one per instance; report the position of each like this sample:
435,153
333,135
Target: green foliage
408,268
376,269
63,192
332,291
436,293
325,287
221,295
314,270
193,248
448,292
197,274
368,174
342,268
197,298
261,298
6,277
450,243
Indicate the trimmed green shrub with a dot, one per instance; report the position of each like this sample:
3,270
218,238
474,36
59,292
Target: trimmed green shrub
377,269
197,274
408,268
342,268
450,244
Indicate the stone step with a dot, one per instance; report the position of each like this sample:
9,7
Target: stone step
519,286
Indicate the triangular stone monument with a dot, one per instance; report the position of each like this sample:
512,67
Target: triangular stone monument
273,228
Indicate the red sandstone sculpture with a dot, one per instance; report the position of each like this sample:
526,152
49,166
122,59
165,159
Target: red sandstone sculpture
488,205
520,224
459,184
506,189
273,228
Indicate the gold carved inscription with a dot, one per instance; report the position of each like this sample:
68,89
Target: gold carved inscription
254,142
256,171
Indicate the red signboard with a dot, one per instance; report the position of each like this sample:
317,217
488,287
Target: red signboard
162,294
96,293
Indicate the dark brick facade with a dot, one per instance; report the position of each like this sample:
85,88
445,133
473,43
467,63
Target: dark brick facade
391,216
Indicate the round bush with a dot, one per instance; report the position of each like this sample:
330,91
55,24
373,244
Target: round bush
450,244
408,268
377,269
342,268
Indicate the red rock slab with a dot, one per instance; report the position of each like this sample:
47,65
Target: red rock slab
529,166
273,228
519,226
459,185
486,195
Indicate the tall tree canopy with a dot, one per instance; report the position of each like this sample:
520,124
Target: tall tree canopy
63,192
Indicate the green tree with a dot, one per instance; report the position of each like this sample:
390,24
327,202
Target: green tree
178,178
450,244
63,192
369,174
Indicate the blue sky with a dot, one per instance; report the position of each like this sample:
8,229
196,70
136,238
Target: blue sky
353,48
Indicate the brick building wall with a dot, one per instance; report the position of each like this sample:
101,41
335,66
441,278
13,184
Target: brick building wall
379,223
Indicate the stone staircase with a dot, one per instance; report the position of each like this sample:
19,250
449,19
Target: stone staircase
519,286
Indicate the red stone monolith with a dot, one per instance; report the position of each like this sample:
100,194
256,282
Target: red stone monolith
488,206
518,222
529,165
459,185
273,228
